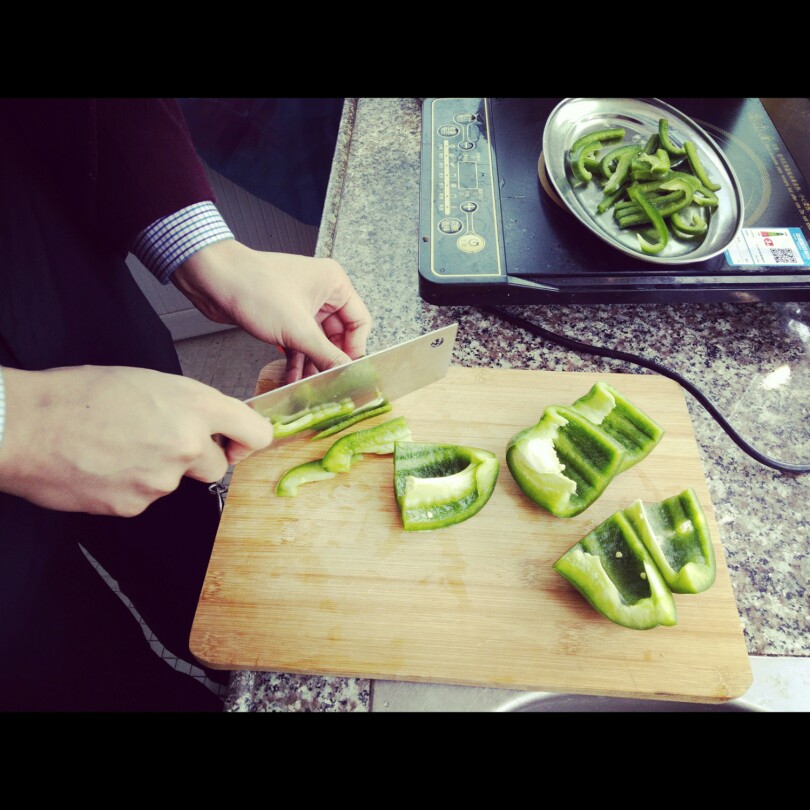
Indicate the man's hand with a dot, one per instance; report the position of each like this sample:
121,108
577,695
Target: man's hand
111,440
305,305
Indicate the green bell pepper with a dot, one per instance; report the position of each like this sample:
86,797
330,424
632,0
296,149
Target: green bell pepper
581,151
378,406
579,160
677,536
665,140
650,166
695,226
622,170
438,485
311,418
611,134
613,570
655,217
622,420
564,462
568,458
698,168
302,474
378,440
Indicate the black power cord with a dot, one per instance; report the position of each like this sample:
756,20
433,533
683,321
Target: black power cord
615,354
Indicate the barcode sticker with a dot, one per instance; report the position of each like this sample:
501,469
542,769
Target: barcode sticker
768,247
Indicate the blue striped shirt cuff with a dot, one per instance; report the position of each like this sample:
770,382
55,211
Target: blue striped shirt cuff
167,243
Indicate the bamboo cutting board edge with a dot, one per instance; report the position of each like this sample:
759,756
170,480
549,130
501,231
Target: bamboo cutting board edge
329,584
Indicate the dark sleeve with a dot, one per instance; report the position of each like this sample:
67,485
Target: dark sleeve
117,164
147,165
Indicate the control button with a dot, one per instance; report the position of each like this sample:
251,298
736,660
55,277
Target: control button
450,225
469,206
466,145
448,131
470,243
465,118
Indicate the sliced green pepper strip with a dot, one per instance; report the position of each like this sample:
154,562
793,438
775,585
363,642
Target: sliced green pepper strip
378,440
676,534
564,462
592,163
302,474
580,171
612,134
614,571
650,167
666,142
610,199
675,194
698,167
637,433
706,198
607,162
655,217
622,170
653,143
311,418
694,226
439,485
360,415
687,178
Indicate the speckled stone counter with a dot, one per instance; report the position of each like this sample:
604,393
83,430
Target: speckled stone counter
753,360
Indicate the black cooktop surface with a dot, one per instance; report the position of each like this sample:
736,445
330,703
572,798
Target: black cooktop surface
493,230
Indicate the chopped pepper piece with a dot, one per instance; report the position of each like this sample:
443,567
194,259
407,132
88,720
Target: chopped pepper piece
612,134
312,417
698,168
581,151
694,226
655,217
438,485
666,141
375,408
622,169
378,440
564,462
613,570
622,420
650,166
677,536
302,474
579,158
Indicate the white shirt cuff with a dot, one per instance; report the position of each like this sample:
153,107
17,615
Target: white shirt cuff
168,242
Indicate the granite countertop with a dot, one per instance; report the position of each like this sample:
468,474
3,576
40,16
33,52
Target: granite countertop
752,359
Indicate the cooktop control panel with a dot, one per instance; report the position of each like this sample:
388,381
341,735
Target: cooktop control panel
461,235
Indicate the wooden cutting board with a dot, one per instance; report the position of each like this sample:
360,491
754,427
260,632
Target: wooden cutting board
328,583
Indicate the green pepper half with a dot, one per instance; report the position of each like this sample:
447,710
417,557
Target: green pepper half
677,536
564,462
438,485
613,570
622,420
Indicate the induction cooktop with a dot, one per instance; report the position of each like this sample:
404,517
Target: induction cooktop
493,229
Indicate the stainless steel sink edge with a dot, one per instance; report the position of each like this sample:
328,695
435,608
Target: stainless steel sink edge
780,684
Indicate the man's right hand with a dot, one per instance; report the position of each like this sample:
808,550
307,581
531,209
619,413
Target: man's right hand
111,440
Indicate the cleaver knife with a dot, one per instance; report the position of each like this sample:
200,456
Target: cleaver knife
387,374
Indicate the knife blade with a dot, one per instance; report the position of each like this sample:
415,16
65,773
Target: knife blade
387,374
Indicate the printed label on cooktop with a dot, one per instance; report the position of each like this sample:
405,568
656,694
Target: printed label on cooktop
769,247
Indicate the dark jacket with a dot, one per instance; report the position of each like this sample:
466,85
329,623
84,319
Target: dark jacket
117,164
